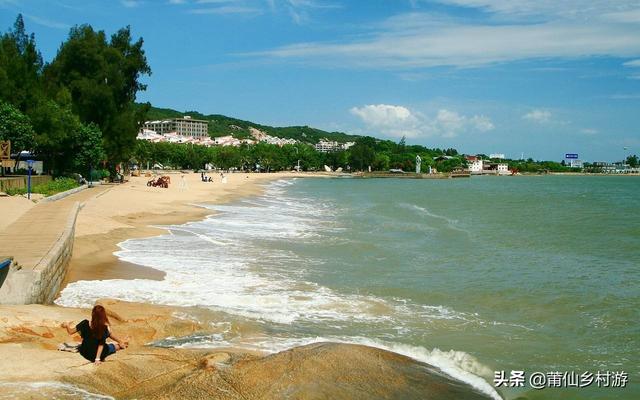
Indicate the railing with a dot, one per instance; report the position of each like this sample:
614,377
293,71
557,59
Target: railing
20,182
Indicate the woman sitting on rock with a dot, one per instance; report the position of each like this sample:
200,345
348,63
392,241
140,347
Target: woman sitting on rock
94,335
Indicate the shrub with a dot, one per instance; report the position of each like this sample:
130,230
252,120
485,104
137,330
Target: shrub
56,186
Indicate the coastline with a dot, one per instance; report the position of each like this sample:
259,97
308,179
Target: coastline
133,210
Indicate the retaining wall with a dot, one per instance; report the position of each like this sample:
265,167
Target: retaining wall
40,284
20,182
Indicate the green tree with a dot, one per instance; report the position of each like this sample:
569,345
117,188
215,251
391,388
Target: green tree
20,68
88,151
102,78
632,161
363,153
381,162
16,127
56,136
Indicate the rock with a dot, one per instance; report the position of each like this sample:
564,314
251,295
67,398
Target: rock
30,334
215,360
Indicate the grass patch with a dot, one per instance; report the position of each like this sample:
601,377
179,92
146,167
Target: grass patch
55,186
46,189
15,191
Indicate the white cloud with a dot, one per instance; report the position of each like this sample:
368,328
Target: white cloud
632,63
392,120
589,131
565,30
482,123
383,114
549,8
300,11
226,10
216,1
625,96
47,22
627,17
130,3
538,116
398,121
449,123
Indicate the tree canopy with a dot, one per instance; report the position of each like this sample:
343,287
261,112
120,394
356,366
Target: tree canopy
16,127
78,110
102,78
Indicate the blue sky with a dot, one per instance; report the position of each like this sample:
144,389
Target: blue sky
543,78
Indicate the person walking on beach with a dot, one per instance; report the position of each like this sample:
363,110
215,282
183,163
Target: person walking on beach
183,183
94,335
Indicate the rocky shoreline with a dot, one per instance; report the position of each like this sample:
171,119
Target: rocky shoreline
29,336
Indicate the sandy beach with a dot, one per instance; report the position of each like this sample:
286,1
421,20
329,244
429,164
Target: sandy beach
130,210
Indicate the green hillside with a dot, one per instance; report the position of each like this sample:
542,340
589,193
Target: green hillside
221,125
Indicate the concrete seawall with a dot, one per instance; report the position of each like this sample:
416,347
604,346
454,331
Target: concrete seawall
38,281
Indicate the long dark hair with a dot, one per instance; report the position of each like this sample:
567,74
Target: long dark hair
99,322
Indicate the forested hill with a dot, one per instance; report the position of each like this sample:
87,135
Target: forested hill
220,125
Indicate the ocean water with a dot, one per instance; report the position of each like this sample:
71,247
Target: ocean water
534,274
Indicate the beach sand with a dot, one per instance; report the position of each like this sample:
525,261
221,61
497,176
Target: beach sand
131,210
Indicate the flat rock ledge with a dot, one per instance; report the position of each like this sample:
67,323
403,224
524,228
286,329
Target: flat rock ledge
30,334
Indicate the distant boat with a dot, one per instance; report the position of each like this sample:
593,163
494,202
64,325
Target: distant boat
5,263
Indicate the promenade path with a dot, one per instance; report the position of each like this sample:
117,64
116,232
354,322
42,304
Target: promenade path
29,238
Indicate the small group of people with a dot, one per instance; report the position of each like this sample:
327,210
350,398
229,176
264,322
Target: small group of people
205,178
94,333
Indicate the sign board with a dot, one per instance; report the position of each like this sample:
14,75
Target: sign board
8,163
570,155
5,150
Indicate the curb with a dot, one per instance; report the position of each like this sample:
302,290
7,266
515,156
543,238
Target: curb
62,195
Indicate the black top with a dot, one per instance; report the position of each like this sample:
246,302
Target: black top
89,346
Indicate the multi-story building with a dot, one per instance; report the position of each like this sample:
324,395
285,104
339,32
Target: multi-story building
325,146
574,163
478,166
185,126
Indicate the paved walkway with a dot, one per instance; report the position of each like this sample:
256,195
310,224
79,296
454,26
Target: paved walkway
30,237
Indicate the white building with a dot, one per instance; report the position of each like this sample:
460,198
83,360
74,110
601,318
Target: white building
483,167
573,163
503,169
326,146
185,126
499,156
475,167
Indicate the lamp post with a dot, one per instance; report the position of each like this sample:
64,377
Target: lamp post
29,169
